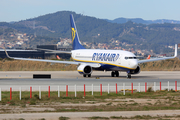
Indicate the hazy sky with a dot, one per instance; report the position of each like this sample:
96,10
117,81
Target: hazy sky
16,10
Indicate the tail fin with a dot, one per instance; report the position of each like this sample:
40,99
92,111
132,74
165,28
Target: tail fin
75,38
58,57
149,56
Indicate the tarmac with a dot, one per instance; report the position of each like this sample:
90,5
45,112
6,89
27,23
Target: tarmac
103,75
24,79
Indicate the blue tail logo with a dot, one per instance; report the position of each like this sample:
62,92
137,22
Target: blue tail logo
75,38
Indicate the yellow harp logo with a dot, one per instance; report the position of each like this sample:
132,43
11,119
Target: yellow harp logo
73,31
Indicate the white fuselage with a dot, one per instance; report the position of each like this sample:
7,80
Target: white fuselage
112,60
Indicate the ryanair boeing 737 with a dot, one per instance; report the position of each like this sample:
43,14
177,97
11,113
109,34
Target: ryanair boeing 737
88,60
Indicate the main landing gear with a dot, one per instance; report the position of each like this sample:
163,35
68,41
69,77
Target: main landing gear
129,76
84,75
114,73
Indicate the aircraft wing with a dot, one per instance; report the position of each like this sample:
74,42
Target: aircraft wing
157,59
94,65
55,51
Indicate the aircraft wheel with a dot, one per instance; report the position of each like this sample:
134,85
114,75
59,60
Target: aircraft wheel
129,76
84,75
89,75
117,73
112,74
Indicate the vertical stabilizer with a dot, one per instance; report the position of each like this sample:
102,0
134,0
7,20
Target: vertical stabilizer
74,34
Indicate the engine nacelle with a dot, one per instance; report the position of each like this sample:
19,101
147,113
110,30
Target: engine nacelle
136,71
84,69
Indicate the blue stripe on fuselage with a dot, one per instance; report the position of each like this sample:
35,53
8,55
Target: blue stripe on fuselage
111,68
108,67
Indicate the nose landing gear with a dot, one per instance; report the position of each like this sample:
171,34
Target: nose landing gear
116,74
129,76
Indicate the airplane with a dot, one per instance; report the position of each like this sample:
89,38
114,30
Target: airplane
149,56
88,60
58,57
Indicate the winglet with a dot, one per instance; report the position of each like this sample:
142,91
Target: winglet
149,56
6,52
175,53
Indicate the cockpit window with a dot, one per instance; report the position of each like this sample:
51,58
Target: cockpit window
130,58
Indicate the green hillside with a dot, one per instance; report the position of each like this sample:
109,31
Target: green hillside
56,25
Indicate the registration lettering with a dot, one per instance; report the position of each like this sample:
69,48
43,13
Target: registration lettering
105,57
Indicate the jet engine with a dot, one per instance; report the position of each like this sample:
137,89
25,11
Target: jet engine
85,69
136,71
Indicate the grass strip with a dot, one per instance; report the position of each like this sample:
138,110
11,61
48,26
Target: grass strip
107,102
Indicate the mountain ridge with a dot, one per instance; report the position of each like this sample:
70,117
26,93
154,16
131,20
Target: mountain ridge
91,29
122,20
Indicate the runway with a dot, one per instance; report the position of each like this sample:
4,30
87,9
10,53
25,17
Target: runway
102,75
25,79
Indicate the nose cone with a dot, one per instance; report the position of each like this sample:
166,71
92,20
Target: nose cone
134,64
